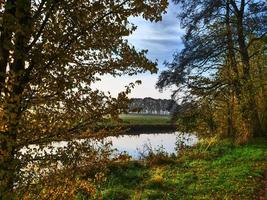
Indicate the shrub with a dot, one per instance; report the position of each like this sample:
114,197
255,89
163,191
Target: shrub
156,181
158,156
118,193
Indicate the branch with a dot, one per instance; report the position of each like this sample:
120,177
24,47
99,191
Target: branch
36,37
82,32
38,12
242,7
58,135
214,86
235,6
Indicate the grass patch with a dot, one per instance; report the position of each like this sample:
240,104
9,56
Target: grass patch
222,171
117,193
134,119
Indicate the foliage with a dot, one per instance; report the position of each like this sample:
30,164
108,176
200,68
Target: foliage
153,157
156,180
219,74
119,193
51,52
151,106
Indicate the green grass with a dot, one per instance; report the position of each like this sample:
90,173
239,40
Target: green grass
135,119
223,171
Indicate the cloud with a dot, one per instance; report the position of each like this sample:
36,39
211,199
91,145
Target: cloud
161,39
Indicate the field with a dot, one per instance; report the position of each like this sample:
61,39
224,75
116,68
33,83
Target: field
219,171
135,119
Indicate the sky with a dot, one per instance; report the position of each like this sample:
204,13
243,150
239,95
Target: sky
161,39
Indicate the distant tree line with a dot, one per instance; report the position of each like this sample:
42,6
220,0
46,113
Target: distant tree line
152,106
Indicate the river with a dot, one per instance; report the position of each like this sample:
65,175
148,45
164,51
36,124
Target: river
131,144
134,144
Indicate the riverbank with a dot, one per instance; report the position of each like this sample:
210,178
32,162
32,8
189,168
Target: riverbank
136,129
217,171
136,123
142,119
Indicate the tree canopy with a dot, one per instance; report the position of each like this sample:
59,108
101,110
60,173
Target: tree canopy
51,51
221,71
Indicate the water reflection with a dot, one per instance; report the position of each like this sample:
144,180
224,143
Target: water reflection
132,144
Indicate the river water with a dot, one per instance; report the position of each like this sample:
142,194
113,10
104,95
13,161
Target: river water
134,144
131,144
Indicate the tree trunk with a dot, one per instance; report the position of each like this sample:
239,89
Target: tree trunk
233,73
8,137
13,97
249,108
8,162
6,29
230,119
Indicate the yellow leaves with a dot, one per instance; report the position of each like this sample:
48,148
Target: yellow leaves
100,177
157,178
81,171
54,61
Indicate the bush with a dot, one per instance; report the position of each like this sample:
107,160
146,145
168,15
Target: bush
153,195
158,156
118,193
156,181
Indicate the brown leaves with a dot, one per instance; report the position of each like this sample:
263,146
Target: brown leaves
64,189
54,51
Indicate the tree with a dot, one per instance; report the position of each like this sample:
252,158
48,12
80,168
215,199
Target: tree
218,57
51,51
151,106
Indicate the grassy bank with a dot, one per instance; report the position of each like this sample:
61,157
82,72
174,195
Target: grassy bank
219,171
135,119
140,123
